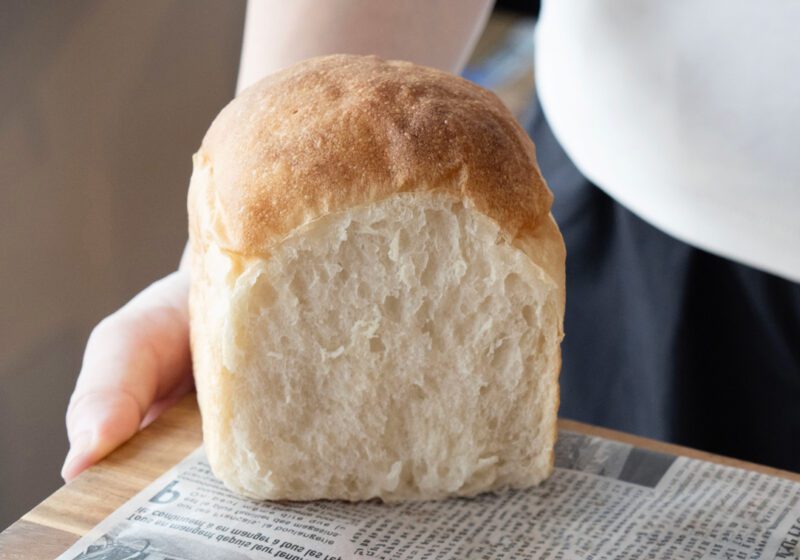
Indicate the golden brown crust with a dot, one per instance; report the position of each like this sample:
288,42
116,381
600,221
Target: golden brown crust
340,131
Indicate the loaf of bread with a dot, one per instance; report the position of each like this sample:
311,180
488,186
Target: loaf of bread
377,288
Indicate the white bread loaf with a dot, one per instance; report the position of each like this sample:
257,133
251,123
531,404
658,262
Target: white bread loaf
377,288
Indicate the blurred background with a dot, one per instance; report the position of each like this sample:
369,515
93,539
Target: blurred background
102,105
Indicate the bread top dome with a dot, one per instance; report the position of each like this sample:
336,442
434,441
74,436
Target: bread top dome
340,131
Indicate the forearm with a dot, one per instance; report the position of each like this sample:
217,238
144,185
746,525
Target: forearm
439,33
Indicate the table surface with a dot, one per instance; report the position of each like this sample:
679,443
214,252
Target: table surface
56,523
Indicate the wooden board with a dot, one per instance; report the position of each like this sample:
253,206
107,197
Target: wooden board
56,523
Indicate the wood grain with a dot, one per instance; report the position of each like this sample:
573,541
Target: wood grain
56,523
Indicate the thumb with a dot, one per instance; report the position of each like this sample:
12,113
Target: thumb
133,358
98,422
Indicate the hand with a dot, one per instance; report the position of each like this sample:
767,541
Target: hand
137,363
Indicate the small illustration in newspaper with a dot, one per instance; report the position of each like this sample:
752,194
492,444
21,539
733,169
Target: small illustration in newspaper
611,459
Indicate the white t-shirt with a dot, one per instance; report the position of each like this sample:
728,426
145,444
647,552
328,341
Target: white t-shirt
685,111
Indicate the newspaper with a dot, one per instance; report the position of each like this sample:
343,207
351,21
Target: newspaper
605,499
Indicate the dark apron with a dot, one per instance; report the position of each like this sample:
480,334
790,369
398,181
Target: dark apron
666,340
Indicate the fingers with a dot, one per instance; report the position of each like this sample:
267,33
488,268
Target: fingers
185,386
134,358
